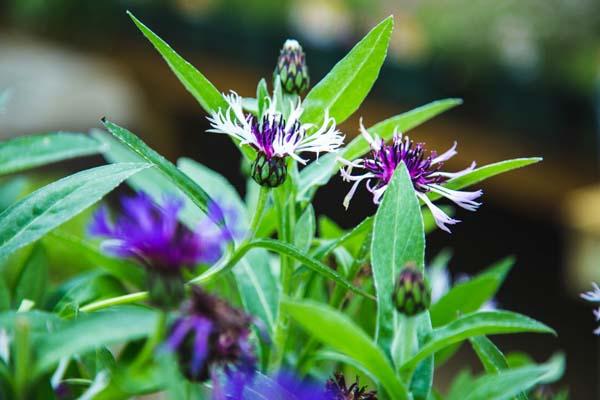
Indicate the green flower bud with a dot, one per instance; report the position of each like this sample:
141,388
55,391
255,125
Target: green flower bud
291,68
269,172
166,291
412,295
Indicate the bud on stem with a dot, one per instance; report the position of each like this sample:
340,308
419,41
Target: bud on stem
269,171
412,295
291,68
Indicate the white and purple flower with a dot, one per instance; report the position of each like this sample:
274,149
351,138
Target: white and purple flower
425,173
275,137
594,297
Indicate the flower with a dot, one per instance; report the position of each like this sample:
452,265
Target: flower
274,137
424,172
594,297
291,68
412,295
337,389
152,235
210,335
282,385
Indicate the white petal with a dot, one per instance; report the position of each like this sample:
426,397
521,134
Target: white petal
465,200
440,217
451,152
373,141
592,295
451,175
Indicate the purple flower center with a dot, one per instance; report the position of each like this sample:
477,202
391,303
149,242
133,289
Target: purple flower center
420,167
271,131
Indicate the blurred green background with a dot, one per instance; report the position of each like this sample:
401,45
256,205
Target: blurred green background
528,70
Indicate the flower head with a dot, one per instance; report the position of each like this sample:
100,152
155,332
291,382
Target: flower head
594,297
291,68
424,170
412,294
274,137
152,234
337,389
211,335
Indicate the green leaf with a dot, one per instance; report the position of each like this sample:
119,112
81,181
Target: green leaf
471,295
11,190
485,172
509,383
90,331
48,207
475,324
255,280
194,191
398,238
88,255
205,92
326,324
4,294
316,174
262,94
304,231
27,152
33,280
361,229
344,88
400,123
317,266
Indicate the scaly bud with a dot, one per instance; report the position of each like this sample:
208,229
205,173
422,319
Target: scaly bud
269,171
291,68
412,295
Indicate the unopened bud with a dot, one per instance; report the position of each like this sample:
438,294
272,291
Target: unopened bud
269,171
291,68
412,295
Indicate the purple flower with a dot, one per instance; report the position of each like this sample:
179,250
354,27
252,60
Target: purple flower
210,336
424,170
284,385
153,235
337,389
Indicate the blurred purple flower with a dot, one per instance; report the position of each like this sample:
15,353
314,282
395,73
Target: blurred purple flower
153,235
284,385
424,171
209,336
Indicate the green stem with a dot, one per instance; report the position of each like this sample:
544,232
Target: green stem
263,196
22,357
408,340
115,301
156,339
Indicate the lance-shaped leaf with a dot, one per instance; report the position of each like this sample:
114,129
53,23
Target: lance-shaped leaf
192,189
509,383
398,238
48,207
325,323
475,324
469,296
27,152
344,88
193,80
116,325
485,172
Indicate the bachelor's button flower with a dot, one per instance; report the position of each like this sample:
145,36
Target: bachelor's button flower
274,137
152,235
211,336
291,68
424,172
337,389
594,297
283,385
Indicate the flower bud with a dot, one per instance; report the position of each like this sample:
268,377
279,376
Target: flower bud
291,68
269,171
412,295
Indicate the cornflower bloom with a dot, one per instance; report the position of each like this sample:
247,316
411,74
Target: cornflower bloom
594,297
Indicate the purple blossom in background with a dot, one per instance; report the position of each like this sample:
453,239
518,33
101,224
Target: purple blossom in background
424,171
594,297
210,336
284,385
153,235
